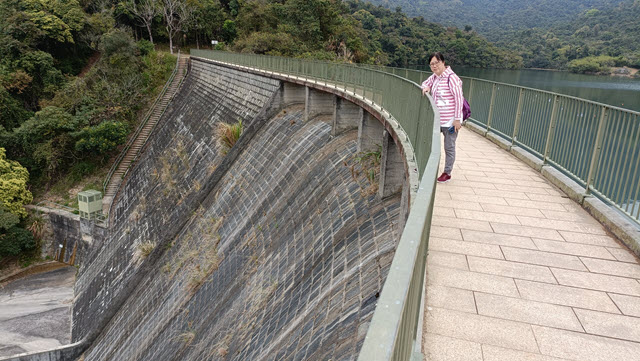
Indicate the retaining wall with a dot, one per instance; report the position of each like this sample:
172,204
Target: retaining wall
167,184
276,251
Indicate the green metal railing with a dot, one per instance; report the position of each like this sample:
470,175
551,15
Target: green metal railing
393,333
597,145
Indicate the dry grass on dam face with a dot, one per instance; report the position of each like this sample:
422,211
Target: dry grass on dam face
284,259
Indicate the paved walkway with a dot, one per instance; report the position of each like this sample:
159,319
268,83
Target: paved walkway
517,271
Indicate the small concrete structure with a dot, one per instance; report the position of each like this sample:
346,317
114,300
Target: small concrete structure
90,204
292,94
392,166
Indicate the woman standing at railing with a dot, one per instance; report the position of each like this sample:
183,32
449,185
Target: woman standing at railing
446,88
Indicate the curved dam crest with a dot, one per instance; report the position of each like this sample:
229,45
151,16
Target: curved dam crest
276,251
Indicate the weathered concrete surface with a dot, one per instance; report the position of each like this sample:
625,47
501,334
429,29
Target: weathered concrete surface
300,256
35,312
274,251
178,167
70,352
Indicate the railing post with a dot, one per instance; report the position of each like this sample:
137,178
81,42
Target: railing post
516,125
493,100
552,128
596,149
470,92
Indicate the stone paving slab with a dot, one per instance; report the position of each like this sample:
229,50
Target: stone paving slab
518,271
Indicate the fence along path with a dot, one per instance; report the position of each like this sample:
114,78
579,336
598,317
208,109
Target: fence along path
596,145
131,150
577,262
518,271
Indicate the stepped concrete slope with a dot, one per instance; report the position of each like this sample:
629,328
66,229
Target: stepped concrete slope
275,251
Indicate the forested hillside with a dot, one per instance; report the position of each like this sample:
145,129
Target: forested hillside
356,31
60,118
578,35
495,19
76,74
600,38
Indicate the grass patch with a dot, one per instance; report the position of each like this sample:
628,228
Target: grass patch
227,135
365,170
186,338
199,262
143,250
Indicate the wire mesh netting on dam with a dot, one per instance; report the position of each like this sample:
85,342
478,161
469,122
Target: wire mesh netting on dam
277,254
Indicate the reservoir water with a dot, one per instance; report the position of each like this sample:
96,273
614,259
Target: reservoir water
617,91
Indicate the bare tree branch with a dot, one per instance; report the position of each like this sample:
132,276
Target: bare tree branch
145,11
177,14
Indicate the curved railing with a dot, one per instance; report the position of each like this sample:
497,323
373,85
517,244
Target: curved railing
144,121
596,145
394,332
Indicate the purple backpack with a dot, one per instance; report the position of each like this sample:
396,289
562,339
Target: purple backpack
466,108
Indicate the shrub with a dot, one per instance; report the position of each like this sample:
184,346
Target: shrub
267,43
143,250
102,138
592,64
145,47
228,134
81,170
15,241
117,41
13,186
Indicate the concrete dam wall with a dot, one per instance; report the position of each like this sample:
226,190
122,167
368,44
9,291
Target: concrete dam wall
276,250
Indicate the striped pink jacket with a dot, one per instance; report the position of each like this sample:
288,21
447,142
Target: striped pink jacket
446,91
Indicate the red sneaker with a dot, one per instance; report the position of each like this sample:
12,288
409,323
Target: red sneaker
444,178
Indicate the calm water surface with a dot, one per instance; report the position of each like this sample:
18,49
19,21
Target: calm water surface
618,91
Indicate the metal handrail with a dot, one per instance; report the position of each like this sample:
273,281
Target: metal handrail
146,118
394,70
394,332
610,169
42,204
135,158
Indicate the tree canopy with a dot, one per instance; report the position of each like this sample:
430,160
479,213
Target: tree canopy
13,186
558,34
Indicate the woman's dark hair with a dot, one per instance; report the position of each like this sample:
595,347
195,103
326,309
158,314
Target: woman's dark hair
438,55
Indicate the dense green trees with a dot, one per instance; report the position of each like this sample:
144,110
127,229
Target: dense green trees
545,33
496,19
13,196
51,119
59,117
611,32
351,31
13,186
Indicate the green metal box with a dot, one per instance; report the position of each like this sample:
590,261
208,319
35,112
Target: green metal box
90,204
